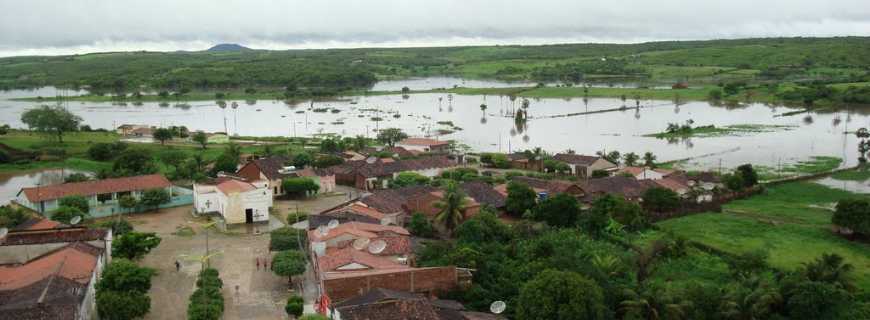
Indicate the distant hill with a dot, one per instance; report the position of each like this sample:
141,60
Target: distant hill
223,47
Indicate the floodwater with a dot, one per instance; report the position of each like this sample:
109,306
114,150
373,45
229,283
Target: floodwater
11,183
556,125
848,185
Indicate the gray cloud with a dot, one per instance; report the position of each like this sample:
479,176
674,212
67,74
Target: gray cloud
59,27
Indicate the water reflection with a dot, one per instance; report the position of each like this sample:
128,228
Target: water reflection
11,183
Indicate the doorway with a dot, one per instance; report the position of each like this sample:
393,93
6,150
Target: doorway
249,215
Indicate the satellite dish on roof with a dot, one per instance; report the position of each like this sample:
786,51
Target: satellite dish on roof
75,220
377,246
332,224
497,307
371,160
360,243
323,230
3,232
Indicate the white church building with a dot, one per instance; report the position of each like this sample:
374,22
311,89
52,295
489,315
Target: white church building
235,200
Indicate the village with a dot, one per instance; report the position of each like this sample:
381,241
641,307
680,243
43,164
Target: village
346,236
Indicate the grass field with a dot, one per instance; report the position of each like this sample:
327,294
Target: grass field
76,144
790,222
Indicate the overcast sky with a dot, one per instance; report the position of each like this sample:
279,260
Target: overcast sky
81,26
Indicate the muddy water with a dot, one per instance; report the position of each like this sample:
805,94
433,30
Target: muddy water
11,183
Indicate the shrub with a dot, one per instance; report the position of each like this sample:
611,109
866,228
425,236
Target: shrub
408,178
600,174
299,186
853,214
520,198
660,200
11,217
287,238
77,202
420,226
295,306
750,177
66,214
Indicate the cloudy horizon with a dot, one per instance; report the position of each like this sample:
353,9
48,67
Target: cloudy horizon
44,27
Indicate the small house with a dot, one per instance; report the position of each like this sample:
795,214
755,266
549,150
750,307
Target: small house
424,145
236,201
583,166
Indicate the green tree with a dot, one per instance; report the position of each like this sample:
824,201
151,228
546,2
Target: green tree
520,198
76,177
830,268
66,214
135,245
287,238
299,186
813,299
207,301
450,207
128,203
313,317
750,177
122,291
106,151
162,135
408,178
630,159
12,217
596,174
201,138
561,210
54,120
122,305
134,162
649,160
289,263
734,182
390,136
225,163
560,295
853,214
125,275
420,226
77,202
715,94
154,198
302,159
660,200
294,306
328,160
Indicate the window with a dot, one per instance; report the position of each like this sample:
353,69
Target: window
103,197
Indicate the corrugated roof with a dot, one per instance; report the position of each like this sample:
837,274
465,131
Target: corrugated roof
423,142
94,187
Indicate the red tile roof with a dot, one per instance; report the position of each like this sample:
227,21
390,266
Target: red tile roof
38,224
230,186
74,262
89,188
336,258
423,142
368,230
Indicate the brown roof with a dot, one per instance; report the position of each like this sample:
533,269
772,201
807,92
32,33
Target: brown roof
672,184
423,142
576,159
270,167
336,258
483,193
375,303
391,310
627,187
381,168
230,186
552,186
394,200
56,235
94,187
39,224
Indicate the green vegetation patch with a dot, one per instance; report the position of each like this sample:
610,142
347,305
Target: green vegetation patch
790,221
816,164
859,174
730,130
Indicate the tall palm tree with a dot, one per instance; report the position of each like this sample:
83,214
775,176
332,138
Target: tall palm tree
752,299
450,207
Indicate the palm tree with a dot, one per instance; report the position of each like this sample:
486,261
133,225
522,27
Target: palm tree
630,159
830,268
752,299
649,159
450,207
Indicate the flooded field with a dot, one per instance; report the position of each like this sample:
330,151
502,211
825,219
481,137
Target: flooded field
555,125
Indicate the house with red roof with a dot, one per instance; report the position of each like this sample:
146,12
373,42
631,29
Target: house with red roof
48,271
102,195
234,199
275,169
583,166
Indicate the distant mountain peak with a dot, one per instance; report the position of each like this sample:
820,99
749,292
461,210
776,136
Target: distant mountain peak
228,47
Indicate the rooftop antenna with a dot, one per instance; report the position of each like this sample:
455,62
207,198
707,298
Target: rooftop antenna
377,246
360,243
497,307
